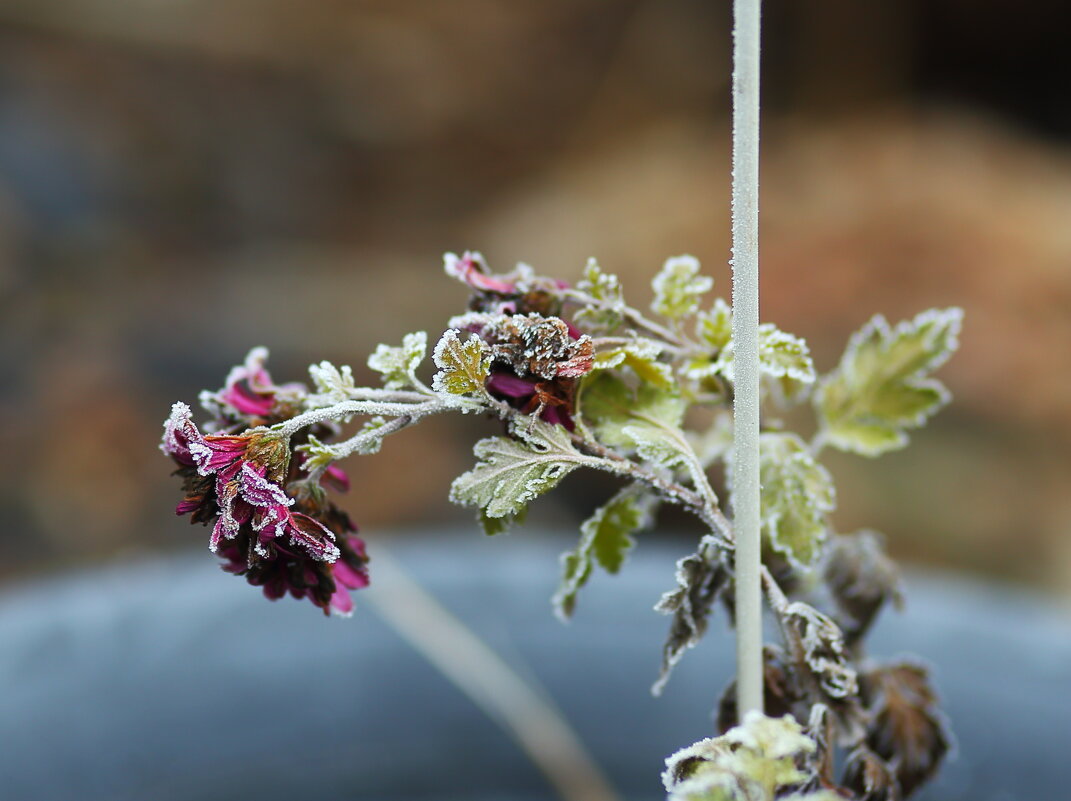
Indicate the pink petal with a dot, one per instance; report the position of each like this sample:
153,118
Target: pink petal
341,603
336,477
246,402
258,491
348,577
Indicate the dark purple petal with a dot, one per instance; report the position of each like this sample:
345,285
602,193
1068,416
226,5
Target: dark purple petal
558,415
511,386
189,505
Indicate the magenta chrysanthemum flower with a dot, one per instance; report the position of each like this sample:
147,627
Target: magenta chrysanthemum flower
236,483
250,397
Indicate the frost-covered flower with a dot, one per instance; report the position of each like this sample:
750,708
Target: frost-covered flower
290,571
250,397
535,361
517,292
236,483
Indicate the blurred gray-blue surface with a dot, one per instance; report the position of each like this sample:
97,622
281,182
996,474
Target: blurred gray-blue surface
166,679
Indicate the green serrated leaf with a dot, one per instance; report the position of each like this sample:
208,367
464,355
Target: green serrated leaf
678,287
463,366
606,538
317,454
398,364
882,387
752,762
715,327
797,494
511,472
493,526
605,288
331,383
641,356
609,405
781,355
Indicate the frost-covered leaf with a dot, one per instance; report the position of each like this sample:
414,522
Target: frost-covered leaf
641,356
463,366
606,538
781,355
882,387
870,776
906,728
797,493
701,579
751,762
318,455
823,648
861,579
493,526
606,289
646,418
678,287
510,472
332,384
398,364
715,327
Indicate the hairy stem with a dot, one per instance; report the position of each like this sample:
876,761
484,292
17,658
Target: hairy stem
379,404
745,499
671,340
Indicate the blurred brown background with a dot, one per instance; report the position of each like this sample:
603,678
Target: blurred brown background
183,179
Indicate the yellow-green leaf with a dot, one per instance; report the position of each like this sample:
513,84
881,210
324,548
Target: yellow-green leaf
463,366
882,387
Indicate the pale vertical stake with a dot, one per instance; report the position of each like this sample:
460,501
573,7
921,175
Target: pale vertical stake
745,262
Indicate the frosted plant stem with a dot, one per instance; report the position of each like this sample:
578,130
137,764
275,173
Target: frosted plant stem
533,721
745,497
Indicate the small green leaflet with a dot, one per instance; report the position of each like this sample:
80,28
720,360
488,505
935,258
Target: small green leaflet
318,455
678,287
511,472
398,365
463,366
606,536
332,385
641,355
611,405
647,419
756,760
605,288
797,493
882,386
715,327
782,356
